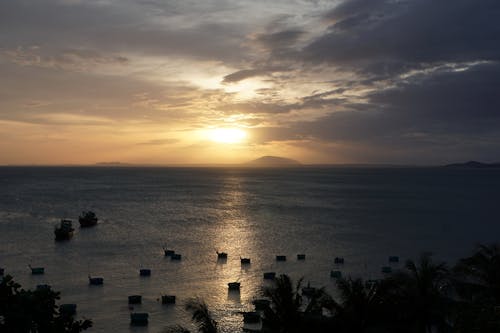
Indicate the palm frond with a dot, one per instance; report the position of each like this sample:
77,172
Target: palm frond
201,316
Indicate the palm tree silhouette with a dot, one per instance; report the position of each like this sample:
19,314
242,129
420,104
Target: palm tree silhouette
480,273
361,305
200,315
421,295
289,311
477,282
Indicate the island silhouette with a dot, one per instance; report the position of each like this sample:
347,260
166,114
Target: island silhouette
474,165
273,161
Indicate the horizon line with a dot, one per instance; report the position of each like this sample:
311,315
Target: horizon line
242,165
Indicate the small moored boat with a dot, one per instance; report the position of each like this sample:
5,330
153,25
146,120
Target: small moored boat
87,219
139,318
336,274
167,299
134,299
67,309
338,260
261,304
308,291
43,287
393,259
37,270
96,281
64,230
233,286
386,269
221,255
251,317
168,252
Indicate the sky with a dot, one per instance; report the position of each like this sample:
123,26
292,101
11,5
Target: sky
220,81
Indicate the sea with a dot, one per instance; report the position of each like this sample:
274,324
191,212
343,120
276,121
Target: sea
363,214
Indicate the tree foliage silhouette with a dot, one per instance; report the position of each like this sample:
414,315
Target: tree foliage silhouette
34,311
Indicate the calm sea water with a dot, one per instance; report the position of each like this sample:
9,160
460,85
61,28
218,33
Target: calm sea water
361,214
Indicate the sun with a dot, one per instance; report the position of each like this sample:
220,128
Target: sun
227,135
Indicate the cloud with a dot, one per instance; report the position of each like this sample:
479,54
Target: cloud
242,75
66,59
395,36
451,115
279,40
130,28
159,142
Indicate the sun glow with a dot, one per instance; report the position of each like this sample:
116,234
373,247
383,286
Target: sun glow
227,135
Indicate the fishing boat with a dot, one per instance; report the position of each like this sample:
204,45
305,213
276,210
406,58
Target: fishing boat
43,287
64,230
221,255
308,291
168,252
336,274
251,317
135,299
87,219
234,286
167,299
386,269
338,260
261,304
139,318
37,270
96,281
67,309
393,259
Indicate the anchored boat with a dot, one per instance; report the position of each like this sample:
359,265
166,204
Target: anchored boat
87,219
64,230
233,286
139,318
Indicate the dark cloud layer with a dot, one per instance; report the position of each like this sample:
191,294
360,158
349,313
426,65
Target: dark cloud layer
406,34
443,117
138,28
440,63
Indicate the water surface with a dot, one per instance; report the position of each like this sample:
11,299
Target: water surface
362,214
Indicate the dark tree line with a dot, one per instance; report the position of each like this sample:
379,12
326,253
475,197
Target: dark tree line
423,297
34,311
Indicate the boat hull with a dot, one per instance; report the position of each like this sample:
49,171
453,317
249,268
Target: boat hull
87,219
64,230
168,299
139,319
87,223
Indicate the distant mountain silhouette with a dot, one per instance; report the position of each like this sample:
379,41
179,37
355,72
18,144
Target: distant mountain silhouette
273,161
474,164
112,164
